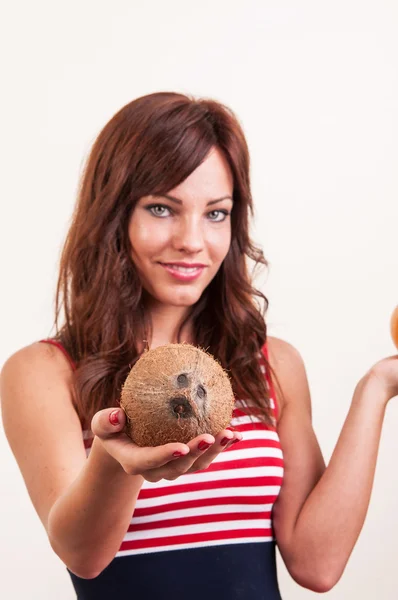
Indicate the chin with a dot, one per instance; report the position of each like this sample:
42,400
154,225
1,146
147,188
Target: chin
183,300
183,297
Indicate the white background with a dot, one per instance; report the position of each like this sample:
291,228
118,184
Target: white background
315,86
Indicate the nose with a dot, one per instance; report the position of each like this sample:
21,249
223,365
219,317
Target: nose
188,235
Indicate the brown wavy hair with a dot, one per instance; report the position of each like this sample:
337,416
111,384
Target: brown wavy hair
149,147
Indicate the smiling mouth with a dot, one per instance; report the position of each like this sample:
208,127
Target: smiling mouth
182,269
186,274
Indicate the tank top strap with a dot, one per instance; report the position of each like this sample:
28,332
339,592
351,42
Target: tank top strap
60,346
264,350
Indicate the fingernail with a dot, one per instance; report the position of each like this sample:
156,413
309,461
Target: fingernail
203,445
114,417
176,454
225,441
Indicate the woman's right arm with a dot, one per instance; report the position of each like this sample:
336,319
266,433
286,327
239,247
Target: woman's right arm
85,504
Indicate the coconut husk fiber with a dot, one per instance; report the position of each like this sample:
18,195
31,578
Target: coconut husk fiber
174,393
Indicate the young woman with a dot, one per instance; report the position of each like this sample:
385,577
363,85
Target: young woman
157,253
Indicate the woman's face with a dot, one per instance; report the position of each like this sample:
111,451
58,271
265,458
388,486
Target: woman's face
190,225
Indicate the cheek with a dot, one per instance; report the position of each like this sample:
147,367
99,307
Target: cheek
219,242
147,239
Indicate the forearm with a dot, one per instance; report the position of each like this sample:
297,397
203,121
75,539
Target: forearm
87,523
332,517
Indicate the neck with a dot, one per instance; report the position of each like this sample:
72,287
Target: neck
166,322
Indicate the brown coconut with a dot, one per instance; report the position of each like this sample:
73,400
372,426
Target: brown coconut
174,393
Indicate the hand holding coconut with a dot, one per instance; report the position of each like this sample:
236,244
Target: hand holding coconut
177,401
167,461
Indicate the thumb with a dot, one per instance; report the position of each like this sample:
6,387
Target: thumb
108,421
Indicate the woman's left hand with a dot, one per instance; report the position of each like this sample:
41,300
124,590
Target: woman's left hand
385,374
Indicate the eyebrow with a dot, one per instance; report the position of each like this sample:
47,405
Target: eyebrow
177,201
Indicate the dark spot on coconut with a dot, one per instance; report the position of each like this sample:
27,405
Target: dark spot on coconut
201,392
182,380
181,407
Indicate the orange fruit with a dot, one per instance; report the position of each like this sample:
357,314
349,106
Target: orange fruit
394,326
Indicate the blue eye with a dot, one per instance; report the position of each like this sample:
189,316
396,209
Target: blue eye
225,214
153,206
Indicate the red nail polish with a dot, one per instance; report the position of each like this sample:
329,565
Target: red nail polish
225,441
114,418
176,454
203,445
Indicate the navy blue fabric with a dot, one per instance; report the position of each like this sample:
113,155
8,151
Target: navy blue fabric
230,572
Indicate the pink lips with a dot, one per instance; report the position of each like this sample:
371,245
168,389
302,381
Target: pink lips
183,264
181,275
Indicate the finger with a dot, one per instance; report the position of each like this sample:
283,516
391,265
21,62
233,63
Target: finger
226,438
203,450
152,458
182,463
107,422
223,441
210,445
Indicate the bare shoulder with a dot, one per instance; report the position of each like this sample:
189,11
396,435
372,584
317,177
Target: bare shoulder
33,365
281,350
288,365
38,353
40,421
